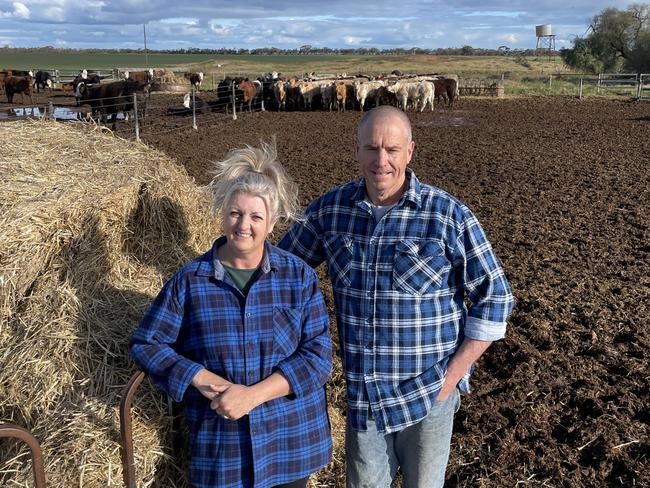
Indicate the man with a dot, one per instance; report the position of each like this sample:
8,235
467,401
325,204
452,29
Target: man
403,258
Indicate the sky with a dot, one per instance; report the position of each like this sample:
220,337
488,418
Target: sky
290,24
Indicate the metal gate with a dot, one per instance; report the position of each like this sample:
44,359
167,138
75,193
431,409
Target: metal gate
617,80
643,92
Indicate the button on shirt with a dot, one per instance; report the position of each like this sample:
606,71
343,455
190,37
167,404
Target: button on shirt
199,320
399,290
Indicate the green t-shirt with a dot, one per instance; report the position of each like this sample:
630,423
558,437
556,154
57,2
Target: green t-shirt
243,278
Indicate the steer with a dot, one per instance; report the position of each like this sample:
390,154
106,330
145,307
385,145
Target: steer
42,80
19,84
328,94
252,90
447,87
405,91
426,91
367,89
111,98
280,94
142,76
195,79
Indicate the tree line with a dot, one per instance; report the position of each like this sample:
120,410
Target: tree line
617,40
302,50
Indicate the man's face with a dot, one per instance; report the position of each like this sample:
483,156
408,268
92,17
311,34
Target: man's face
383,151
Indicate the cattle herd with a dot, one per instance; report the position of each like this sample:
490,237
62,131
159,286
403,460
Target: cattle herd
271,91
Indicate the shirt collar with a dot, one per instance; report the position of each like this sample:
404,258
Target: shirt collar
213,267
411,195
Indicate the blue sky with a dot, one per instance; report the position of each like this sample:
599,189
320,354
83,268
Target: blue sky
290,24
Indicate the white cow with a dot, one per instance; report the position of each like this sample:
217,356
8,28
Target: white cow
426,93
368,89
328,94
405,91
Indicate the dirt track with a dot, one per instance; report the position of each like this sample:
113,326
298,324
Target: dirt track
562,188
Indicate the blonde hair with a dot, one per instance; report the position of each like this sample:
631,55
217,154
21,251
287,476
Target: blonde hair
258,172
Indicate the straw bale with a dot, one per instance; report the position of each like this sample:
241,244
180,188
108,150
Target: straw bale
90,227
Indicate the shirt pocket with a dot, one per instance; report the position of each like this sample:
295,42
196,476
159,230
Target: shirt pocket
420,267
339,249
287,326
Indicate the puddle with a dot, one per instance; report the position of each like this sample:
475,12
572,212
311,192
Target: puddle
60,113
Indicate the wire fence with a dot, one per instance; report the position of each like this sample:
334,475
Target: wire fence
201,107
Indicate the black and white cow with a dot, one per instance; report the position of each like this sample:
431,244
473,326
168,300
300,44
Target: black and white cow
42,80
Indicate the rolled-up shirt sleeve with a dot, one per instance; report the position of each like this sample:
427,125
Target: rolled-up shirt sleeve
309,367
484,280
152,343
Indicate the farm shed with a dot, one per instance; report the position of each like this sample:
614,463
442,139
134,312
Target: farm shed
90,226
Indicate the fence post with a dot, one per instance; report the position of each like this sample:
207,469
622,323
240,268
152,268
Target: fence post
550,82
580,95
194,109
234,102
598,86
51,108
638,88
135,113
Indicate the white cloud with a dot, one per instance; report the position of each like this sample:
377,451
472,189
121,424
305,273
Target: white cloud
355,40
216,23
510,38
20,11
180,20
220,30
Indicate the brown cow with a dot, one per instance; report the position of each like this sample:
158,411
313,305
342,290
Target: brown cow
446,87
195,79
3,76
251,90
141,76
341,95
19,84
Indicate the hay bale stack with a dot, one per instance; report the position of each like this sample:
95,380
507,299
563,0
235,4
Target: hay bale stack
90,226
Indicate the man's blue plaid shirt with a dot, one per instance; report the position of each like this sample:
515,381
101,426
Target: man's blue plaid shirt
399,288
201,320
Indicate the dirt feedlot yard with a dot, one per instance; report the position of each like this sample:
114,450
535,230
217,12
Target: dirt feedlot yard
562,188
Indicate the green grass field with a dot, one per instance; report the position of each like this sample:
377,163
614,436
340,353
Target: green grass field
286,64
522,75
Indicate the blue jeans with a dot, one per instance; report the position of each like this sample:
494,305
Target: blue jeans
422,451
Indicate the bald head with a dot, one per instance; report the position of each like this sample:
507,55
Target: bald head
385,114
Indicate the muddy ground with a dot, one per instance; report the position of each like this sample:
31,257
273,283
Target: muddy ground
562,188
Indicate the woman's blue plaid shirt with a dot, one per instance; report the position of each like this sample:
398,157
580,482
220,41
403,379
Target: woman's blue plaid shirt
400,287
201,320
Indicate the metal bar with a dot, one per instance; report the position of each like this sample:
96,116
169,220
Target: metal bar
194,109
11,430
135,114
234,102
126,429
580,94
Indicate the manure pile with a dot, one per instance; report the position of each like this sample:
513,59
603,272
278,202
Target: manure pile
90,227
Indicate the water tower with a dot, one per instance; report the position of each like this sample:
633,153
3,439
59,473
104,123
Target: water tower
545,39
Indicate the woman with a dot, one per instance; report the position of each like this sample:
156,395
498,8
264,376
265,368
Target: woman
241,336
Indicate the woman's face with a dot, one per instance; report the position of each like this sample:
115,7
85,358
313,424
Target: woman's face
246,224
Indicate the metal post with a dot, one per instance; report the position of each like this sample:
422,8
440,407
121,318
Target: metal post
194,109
234,102
51,108
135,113
638,88
550,82
580,94
598,86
